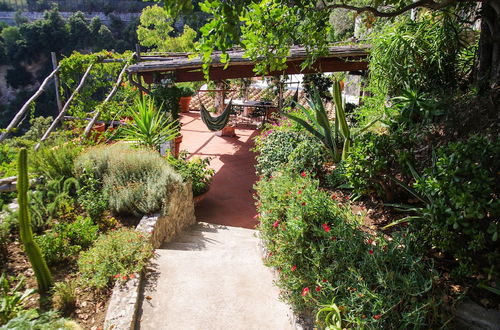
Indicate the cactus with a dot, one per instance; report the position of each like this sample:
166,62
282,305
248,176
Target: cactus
35,257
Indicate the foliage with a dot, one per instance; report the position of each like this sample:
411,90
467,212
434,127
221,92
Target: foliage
418,55
155,32
64,296
281,147
373,158
12,298
195,171
117,255
137,181
91,197
150,127
319,125
64,240
42,272
319,82
167,98
321,254
56,162
462,216
33,320
52,201
8,165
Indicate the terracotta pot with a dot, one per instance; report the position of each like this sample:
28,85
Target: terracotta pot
177,146
97,130
226,131
197,199
184,103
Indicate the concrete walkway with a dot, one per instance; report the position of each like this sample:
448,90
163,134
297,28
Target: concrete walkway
212,275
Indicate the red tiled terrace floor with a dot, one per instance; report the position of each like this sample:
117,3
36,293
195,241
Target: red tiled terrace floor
229,201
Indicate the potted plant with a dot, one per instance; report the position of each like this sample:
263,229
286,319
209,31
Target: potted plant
186,93
196,171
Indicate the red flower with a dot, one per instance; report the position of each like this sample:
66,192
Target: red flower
303,203
334,238
370,241
318,288
303,174
299,192
363,316
117,275
132,276
376,317
305,291
324,280
347,197
326,227
370,251
294,268
124,277
276,224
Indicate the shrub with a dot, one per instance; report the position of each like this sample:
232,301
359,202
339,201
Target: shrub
33,320
65,240
462,216
321,254
12,299
64,296
116,255
137,181
373,158
55,162
195,171
279,147
91,197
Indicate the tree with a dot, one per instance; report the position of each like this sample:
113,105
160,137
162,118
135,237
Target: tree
155,32
268,28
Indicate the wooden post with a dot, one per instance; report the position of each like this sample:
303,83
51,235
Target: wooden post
280,93
110,95
25,107
65,108
56,81
138,52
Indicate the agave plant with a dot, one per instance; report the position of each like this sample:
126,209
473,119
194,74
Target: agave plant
150,127
319,125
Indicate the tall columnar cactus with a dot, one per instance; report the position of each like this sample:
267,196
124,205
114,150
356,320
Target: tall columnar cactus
35,257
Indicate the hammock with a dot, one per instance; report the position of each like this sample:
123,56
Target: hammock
216,123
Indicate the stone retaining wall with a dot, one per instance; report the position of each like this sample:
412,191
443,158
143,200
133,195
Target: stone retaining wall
124,302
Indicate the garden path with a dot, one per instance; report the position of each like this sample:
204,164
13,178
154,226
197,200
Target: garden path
229,200
212,275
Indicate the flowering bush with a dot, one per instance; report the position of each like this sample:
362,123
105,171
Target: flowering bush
321,254
117,255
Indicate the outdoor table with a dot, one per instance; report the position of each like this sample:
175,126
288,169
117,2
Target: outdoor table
258,105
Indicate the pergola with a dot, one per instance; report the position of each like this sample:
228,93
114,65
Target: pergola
182,68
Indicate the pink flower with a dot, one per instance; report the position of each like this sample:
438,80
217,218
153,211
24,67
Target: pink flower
276,224
303,174
318,288
294,268
299,192
326,227
305,291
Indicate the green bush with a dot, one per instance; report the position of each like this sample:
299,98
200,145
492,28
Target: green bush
33,320
375,157
281,147
137,181
11,298
463,215
91,197
55,162
195,171
8,162
116,255
321,254
65,240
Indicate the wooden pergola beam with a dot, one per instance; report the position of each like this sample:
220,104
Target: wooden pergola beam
247,71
